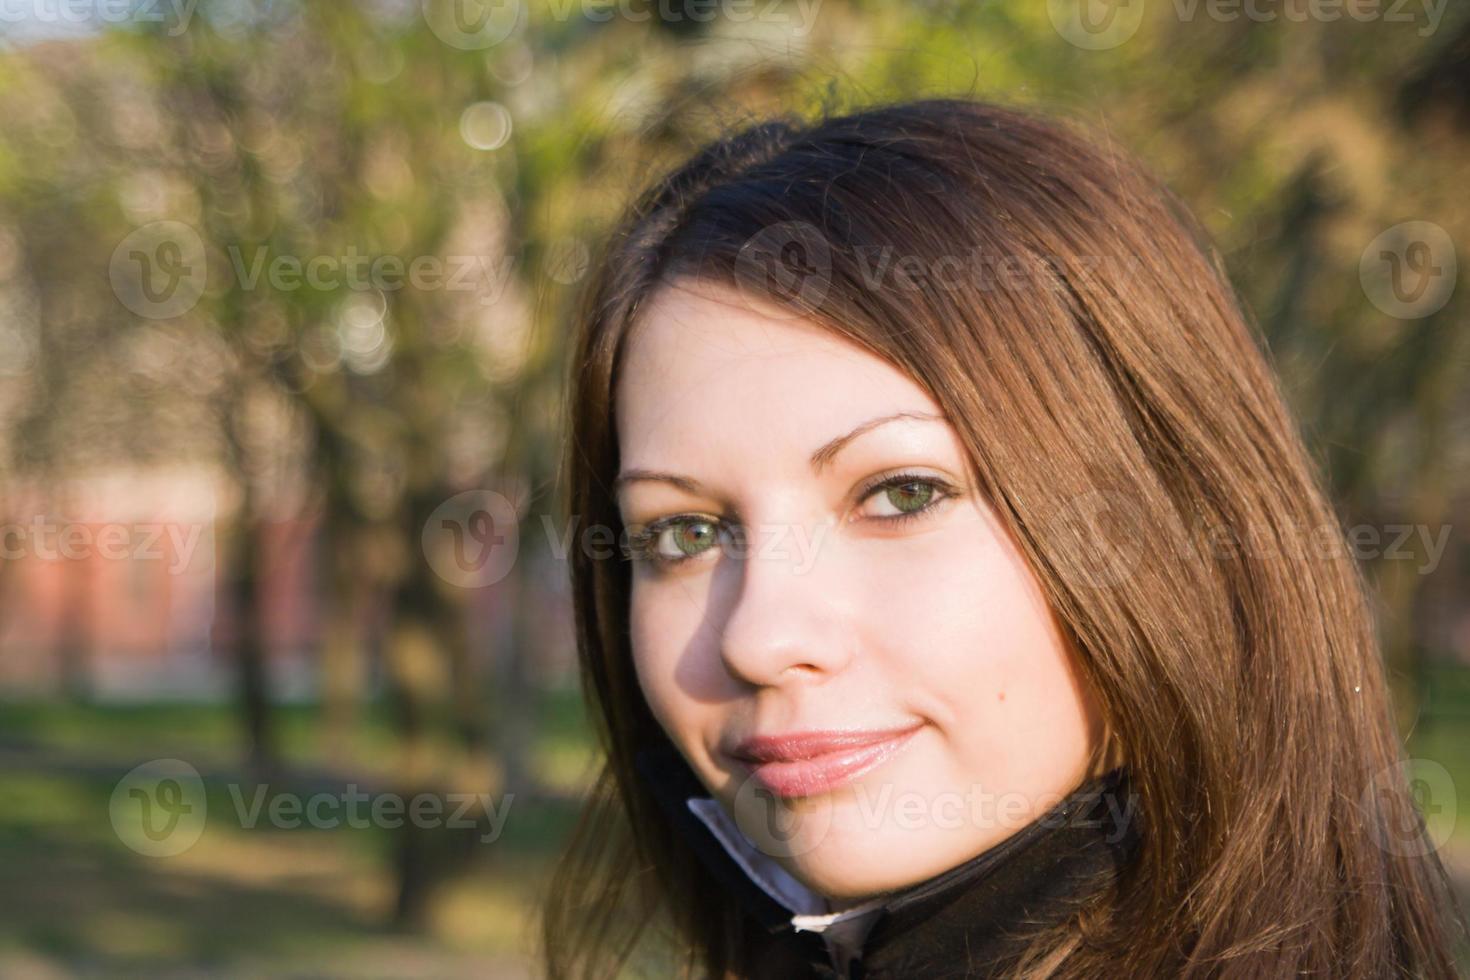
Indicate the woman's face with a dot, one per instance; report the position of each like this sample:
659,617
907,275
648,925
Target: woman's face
802,595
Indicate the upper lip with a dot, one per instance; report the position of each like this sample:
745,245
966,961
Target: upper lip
797,746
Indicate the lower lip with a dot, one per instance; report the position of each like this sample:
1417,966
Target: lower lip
808,777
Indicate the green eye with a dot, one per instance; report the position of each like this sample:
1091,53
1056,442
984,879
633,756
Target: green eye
693,537
672,541
910,497
675,540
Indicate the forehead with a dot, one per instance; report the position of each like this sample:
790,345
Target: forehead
701,354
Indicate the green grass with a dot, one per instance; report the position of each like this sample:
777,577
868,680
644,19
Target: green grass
249,901
206,730
316,902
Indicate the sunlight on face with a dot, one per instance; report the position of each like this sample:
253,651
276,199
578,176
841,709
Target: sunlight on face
788,583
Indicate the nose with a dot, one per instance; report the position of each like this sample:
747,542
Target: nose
786,619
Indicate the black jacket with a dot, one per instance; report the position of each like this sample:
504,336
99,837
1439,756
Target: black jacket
965,922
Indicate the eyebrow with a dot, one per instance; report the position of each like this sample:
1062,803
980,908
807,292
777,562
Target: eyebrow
823,455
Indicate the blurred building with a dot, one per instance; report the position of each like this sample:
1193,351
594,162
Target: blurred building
111,587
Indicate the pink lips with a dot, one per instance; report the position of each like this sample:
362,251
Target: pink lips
807,763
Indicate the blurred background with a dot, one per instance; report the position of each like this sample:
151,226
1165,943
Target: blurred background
285,291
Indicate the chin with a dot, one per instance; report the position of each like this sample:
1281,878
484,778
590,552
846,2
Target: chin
853,863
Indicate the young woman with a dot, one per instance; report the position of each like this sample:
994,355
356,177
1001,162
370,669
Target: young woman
956,597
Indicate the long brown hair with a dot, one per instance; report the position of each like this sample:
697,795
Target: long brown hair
1125,425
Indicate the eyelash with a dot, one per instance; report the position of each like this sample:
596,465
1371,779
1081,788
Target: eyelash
641,544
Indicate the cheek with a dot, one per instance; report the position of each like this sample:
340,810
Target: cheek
981,651
663,629
653,653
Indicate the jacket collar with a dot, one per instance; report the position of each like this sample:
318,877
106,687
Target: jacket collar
962,915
